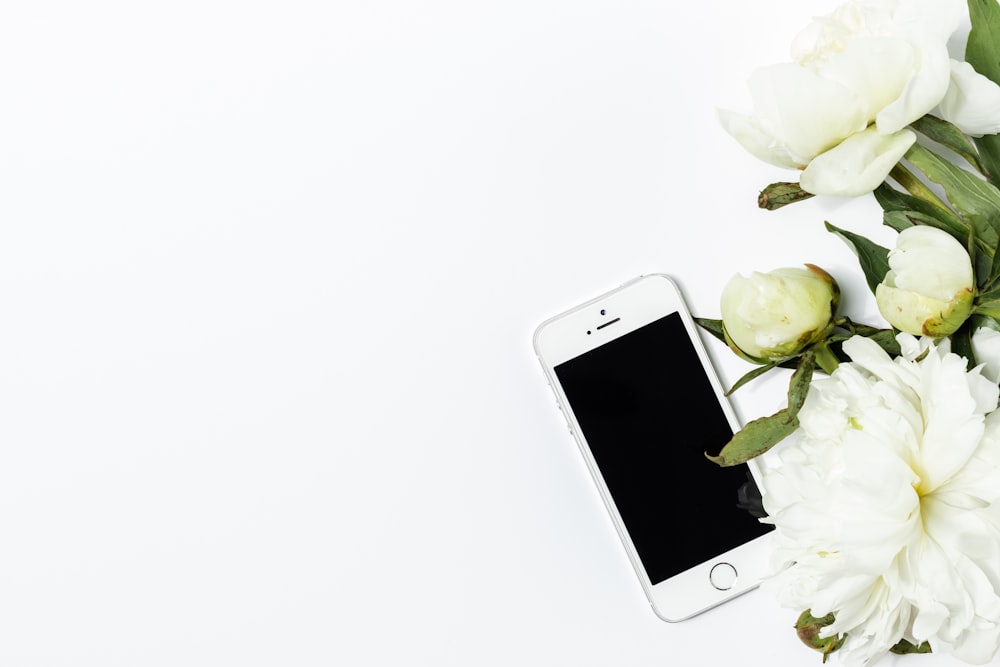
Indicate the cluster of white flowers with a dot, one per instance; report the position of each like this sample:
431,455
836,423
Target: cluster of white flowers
844,122
887,502
886,498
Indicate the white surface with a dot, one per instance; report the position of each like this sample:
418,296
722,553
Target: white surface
269,277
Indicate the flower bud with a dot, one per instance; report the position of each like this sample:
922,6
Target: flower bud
808,628
774,316
929,288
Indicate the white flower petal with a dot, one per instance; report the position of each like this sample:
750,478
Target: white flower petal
857,165
877,87
922,92
972,101
986,345
953,425
807,113
931,262
747,130
927,19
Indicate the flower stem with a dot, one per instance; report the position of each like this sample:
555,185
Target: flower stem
916,187
825,358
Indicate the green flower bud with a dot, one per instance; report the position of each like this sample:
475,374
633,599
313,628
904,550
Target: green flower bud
929,288
808,628
774,316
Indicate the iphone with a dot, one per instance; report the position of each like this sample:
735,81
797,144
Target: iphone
644,404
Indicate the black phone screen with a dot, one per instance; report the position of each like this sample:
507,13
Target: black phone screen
649,414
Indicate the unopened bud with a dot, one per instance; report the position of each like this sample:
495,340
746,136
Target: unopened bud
808,628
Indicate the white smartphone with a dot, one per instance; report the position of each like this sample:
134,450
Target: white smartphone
639,393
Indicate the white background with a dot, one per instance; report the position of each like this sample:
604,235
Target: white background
269,273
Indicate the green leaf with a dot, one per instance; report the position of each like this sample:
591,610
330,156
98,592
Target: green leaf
961,343
776,195
904,647
756,438
978,322
752,375
994,270
916,187
761,434
713,327
798,386
988,305
886,339
948,135
857,327
976,200
989,155
874,259
900,220
982,50
891,199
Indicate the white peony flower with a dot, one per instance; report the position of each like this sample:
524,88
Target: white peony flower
879,64
886,504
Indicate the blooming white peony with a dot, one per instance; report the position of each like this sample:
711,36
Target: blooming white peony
886,507
859,76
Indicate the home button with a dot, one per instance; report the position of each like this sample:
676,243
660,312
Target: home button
722,576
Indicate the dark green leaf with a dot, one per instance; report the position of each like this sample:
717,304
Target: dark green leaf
798,386
976,200
874,259
857,327
949,136
916,187
903,647
961,343
776,195
752,375
761,434
982,50
898,220
988,305
979,321
989,155
756,438
886,339
713,327
983,257
891,199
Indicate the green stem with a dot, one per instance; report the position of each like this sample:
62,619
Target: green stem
916,187
825,358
